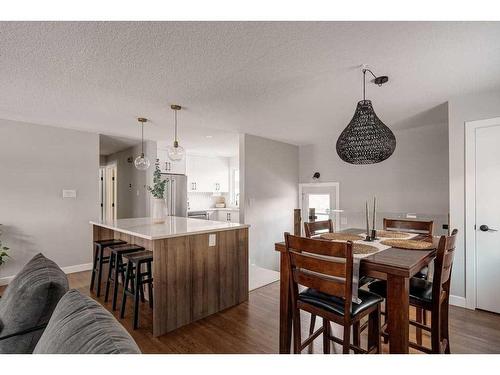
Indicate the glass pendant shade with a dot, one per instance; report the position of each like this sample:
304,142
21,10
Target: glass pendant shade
141,162
175,152
366,139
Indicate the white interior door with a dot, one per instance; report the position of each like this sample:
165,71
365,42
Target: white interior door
324,198
488,218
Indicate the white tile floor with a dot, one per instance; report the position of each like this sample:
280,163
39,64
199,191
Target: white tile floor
259,277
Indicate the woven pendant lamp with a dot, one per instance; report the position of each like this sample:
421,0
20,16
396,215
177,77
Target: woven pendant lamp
366,139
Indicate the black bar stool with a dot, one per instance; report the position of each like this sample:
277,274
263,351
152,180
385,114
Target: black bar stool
116,268
134,275
99,260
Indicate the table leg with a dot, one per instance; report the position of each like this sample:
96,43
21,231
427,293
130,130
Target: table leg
285,307
398,313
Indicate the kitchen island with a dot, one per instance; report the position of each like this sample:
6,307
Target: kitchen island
200,267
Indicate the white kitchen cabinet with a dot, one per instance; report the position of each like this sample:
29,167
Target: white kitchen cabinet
228,215
169,166
207,174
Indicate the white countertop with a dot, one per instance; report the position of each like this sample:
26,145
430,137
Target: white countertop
222,209
173,226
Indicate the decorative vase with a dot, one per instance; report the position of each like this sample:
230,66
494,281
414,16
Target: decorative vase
158,210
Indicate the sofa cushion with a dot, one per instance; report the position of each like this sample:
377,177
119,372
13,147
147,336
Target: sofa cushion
29,301
79,325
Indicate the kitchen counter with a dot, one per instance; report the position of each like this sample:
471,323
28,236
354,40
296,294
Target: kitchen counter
200,267
223,209
174,226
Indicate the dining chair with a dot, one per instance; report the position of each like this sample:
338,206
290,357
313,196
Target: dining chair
431,296
417,226
325,268
315,228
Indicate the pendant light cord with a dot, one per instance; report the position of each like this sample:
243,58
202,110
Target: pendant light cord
142,139
175,128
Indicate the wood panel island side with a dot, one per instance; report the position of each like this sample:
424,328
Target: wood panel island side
200,267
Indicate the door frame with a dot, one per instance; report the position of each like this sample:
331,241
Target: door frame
470,207
323,184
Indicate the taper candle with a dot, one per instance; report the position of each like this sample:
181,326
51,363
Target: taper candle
367,221
374,211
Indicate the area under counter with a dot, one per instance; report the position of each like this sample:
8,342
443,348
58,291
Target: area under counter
193,277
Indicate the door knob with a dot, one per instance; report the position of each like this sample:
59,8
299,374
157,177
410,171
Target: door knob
485,228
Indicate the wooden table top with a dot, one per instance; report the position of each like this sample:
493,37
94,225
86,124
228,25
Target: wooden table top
396,261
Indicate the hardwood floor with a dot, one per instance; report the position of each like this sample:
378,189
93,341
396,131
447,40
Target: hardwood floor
252,327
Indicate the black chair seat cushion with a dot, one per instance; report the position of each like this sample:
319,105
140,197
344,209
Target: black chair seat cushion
420,289
80,325
422,274
336,304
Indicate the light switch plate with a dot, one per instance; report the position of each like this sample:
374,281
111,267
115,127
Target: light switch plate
67,193
343,220
212,239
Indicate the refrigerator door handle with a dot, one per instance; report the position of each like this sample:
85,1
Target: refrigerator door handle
173,198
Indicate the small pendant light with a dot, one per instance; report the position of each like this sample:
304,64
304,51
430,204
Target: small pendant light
142,162
366,139
175,152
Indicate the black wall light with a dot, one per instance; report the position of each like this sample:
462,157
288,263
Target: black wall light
366,139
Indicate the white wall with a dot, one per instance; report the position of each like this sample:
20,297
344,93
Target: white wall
461,109
269,189
36,163
413,180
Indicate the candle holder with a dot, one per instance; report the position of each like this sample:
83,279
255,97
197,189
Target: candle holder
374,235
368,238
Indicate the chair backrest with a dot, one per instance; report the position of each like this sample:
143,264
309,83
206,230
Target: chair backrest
80,325
322,265
443,264
312,228
420,226
28,302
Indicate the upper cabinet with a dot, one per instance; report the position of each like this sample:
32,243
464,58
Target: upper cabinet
167,165
207,174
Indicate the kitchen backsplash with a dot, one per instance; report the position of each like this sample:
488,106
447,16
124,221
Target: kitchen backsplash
202,201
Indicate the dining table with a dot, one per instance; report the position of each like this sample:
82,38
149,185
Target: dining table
395,265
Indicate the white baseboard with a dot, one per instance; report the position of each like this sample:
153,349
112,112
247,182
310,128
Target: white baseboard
67,270
457,301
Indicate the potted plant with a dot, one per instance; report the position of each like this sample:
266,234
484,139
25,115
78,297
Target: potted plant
3,251
158,199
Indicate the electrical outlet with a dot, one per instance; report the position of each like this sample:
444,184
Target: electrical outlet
68,193
212,239
411,216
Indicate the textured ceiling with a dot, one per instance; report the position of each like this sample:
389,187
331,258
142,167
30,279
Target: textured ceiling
292,81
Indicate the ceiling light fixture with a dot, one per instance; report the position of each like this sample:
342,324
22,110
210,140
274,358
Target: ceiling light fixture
366,139
141,162
175,152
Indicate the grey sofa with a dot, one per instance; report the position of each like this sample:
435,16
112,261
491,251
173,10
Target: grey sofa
79,325
28,302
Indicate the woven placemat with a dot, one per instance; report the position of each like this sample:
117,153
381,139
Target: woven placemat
408,244
341,237
392,234
359,248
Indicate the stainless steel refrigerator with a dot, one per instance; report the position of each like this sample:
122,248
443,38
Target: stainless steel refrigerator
176,194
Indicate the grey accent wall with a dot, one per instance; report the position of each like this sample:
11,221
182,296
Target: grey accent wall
36,164
133,198
269,178
461,109
414,179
